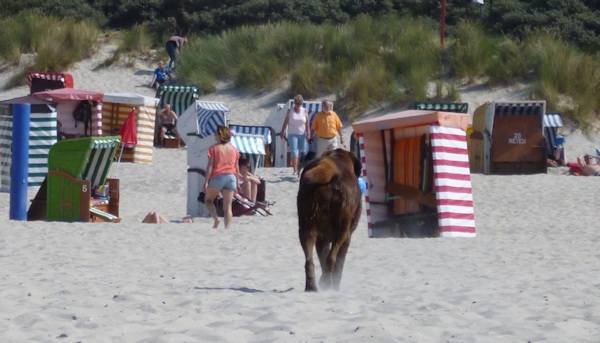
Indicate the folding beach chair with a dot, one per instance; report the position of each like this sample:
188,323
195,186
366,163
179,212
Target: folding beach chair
243,206
77,187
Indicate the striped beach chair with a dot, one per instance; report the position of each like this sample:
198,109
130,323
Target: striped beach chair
209,116
77,167
180,98
268,135
553,121
456,107
251,147
42,135
39,81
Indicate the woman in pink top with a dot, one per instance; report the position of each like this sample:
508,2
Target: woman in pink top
296,121
221,175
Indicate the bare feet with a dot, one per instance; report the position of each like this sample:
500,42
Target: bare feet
216,224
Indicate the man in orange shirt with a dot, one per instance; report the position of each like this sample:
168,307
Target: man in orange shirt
327,126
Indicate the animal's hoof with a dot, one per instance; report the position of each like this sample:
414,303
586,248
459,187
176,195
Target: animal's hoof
310,288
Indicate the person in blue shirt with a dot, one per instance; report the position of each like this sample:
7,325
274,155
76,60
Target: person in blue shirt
160,75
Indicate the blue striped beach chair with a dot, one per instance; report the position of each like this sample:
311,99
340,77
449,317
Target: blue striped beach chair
251,147
77,167
553,121
267,133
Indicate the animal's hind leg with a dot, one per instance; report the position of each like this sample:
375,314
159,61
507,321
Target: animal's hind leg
308,242
323,250
339,265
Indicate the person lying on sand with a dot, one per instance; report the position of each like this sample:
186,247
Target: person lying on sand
587,167
157,218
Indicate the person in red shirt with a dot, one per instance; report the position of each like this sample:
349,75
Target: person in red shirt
221,175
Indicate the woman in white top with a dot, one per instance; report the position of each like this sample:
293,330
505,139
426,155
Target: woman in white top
297,123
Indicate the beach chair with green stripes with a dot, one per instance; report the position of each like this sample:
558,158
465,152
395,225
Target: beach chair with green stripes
456,107
180,98
76,168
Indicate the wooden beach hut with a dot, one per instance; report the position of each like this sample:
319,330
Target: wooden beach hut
115,110
416,166
42,135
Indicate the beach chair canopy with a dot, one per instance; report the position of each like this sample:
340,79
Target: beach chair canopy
458,107
69,94
84,158
210,115
42,135
249,144
417,152
131,99
43,81
264,131
251,147
552,121
179,97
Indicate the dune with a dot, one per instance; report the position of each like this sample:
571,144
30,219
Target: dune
530,275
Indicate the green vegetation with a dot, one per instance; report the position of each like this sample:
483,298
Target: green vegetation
366,62
389,54
67,42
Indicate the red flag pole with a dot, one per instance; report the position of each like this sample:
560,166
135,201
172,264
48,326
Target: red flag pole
443,22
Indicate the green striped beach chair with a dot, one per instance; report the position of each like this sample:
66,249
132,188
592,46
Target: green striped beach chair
42,135
456,107
76,167
180,98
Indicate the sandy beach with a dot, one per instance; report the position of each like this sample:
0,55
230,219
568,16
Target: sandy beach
530,275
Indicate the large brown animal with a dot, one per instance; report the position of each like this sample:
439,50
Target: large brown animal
329,207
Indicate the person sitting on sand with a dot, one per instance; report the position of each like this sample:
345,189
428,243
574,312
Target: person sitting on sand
160,76
248,182
157,218
587,167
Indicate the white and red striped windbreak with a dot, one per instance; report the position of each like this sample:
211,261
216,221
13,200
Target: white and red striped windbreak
452,179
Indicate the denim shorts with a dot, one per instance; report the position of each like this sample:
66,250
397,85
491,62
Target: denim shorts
223,181
297,145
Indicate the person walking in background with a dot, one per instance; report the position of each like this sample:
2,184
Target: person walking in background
160,76
173,47
297,123
221,175
327,125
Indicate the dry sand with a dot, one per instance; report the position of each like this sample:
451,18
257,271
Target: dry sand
531,274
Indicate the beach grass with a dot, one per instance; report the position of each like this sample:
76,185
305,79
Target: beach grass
67,42
366,61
